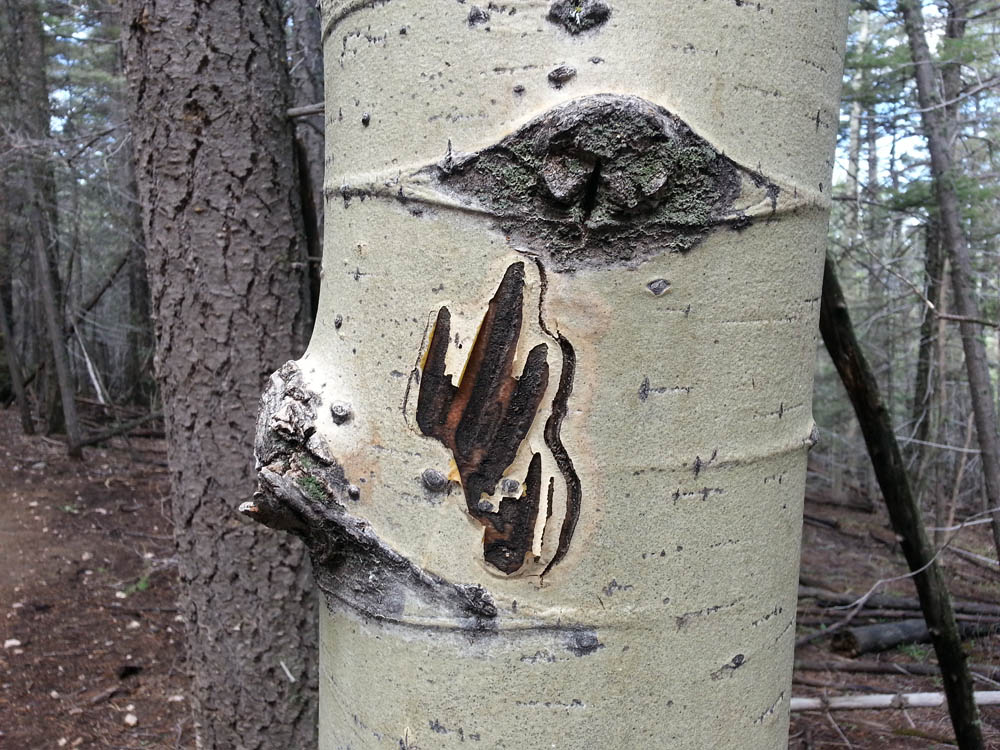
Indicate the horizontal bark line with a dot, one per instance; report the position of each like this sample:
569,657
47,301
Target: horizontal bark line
724,460
417,187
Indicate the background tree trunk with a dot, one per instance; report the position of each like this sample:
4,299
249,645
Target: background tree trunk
547,446
57,340
14,364
904,512
218,185
936,130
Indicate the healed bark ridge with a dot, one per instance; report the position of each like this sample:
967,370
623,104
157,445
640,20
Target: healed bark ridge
605,180
302,489
485,418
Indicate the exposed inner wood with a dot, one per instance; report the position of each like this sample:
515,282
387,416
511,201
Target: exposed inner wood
485,418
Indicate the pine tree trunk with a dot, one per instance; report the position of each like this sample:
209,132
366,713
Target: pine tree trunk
548,444
217,182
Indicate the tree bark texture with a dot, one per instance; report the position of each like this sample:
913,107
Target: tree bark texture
904,512
217,181
936,131
547,446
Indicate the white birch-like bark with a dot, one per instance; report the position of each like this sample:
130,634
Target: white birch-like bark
547,446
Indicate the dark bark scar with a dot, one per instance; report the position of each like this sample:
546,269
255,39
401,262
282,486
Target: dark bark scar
484,419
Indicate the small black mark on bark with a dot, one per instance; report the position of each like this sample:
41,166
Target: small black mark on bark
699,464
614,586
562,75
646,389
338,321
579,15
434,480
341,412
658,287
727,669
539,657
597,60
477,16
583,642
366,119
519,89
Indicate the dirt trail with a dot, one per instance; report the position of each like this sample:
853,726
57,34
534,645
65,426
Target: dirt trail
92,654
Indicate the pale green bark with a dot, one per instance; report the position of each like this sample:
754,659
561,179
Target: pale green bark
661,616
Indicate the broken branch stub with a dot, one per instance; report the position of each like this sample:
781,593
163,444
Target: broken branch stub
302,489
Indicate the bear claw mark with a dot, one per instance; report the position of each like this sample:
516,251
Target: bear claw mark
484,419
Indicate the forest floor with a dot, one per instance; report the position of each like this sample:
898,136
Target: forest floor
93,655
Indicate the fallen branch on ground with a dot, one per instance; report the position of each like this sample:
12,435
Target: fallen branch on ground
120,429
890,700
864,639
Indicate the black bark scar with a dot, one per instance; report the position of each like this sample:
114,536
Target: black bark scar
574,491
484,419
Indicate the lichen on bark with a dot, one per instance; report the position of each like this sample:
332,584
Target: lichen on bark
604,180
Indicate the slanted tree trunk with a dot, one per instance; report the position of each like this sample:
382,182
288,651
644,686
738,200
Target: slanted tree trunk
904,512
217,182
936,131
56,335
547,446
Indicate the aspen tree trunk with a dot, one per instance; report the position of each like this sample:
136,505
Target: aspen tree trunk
547,446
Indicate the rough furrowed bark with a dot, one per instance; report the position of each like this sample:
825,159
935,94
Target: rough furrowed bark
547,445
216,177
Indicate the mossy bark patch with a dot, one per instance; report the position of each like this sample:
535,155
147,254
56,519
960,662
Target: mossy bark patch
600,181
